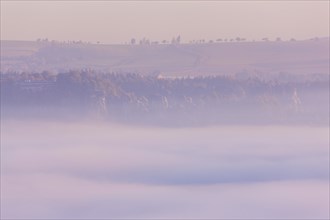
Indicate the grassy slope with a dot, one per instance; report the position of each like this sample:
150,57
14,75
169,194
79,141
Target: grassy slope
216,58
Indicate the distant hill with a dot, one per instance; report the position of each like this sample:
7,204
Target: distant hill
170,60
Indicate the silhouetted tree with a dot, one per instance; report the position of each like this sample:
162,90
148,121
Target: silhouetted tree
178,39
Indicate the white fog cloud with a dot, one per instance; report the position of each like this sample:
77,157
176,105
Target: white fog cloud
90,170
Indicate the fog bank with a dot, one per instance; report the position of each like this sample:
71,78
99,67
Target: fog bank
95,170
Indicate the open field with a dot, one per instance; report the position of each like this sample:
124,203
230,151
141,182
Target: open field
170,60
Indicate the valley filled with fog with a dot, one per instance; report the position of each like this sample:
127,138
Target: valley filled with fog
66,170
234,130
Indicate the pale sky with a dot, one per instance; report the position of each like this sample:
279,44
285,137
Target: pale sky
118,22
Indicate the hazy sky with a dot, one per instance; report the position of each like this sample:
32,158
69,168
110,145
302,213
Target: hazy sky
117,22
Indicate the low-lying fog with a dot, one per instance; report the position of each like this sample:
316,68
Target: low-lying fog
57,170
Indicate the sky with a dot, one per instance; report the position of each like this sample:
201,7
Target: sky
118,22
